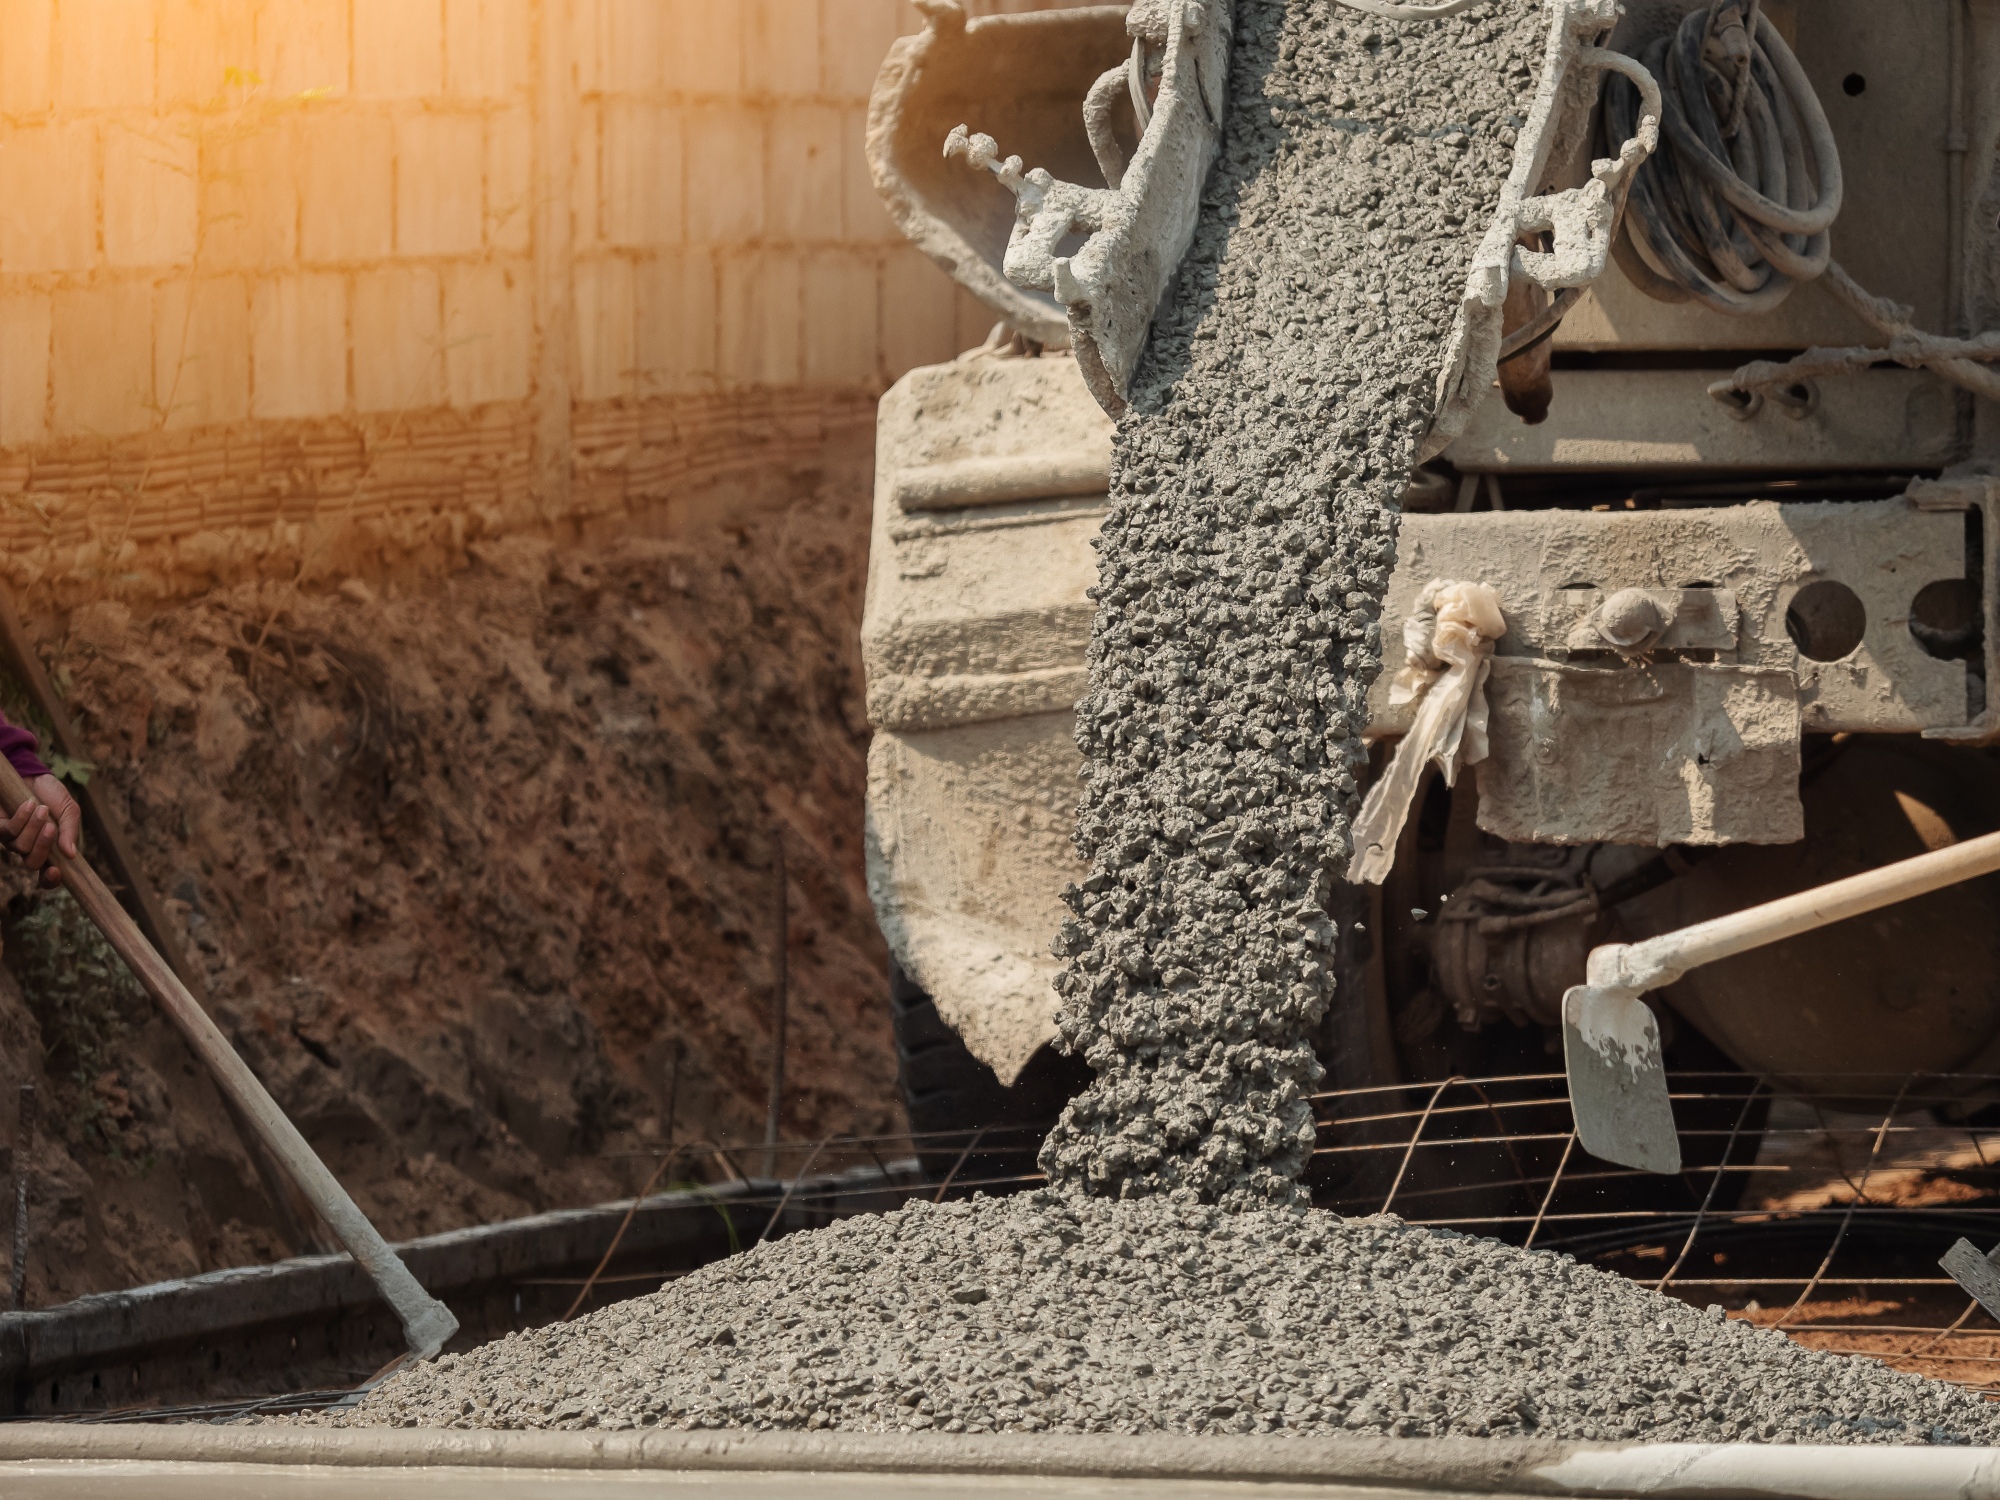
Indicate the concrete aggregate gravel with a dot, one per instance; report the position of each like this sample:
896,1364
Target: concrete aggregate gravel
1049,1311
1171,1278
1242,564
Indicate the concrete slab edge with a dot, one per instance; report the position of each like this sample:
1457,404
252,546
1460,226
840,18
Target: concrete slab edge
1460,1465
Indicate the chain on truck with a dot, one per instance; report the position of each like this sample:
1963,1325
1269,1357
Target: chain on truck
1713,464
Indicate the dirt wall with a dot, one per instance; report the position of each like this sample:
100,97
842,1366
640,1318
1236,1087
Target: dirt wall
463,861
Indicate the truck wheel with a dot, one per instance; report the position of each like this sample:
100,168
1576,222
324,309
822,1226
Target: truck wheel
955,1103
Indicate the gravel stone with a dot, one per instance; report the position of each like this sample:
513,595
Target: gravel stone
1148,1315
1251,534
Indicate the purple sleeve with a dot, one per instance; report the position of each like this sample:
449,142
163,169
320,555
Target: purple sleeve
18,745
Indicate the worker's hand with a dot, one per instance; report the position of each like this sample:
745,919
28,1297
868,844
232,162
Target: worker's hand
49,822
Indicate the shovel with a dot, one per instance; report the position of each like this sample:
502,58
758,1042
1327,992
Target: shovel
1611,1039
427,1322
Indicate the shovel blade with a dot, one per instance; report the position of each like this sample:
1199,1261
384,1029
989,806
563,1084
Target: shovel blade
1618,1080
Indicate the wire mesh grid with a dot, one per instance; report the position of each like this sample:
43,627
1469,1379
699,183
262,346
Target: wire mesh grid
1821,1212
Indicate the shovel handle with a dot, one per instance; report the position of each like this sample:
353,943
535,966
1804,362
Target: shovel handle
427,1323
1617,1079
1660,960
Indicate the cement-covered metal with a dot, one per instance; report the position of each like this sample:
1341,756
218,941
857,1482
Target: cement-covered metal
979,615
974,634
1136,229
923,90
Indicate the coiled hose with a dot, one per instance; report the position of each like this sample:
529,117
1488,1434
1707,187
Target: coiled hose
1736,207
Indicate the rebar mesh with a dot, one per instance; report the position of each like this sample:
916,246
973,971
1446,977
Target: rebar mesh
1819,1213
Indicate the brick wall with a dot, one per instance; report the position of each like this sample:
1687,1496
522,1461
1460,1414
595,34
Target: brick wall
324,283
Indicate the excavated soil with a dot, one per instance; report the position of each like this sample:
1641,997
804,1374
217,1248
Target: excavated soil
462,863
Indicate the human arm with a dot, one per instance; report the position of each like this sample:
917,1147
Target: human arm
51,820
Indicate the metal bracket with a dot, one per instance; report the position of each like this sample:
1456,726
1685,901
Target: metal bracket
1138,231
1581,221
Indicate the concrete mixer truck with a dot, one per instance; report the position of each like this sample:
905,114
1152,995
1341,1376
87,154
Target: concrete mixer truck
1731,484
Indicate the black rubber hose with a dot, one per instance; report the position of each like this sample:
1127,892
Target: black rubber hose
1733,221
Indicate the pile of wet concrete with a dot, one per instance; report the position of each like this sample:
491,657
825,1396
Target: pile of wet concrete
1171,1278
1049,1312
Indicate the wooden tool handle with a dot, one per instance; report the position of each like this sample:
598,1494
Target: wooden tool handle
1645,964
427,1322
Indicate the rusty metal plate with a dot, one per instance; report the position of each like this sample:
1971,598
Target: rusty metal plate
1674,752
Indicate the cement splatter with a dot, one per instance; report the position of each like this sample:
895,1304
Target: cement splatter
1251,535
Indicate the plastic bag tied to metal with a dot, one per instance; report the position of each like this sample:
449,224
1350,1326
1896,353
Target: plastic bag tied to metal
1448,642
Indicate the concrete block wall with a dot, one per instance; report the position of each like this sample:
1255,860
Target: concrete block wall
317,283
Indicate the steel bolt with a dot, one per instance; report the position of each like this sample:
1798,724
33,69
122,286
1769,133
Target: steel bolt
1629,618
